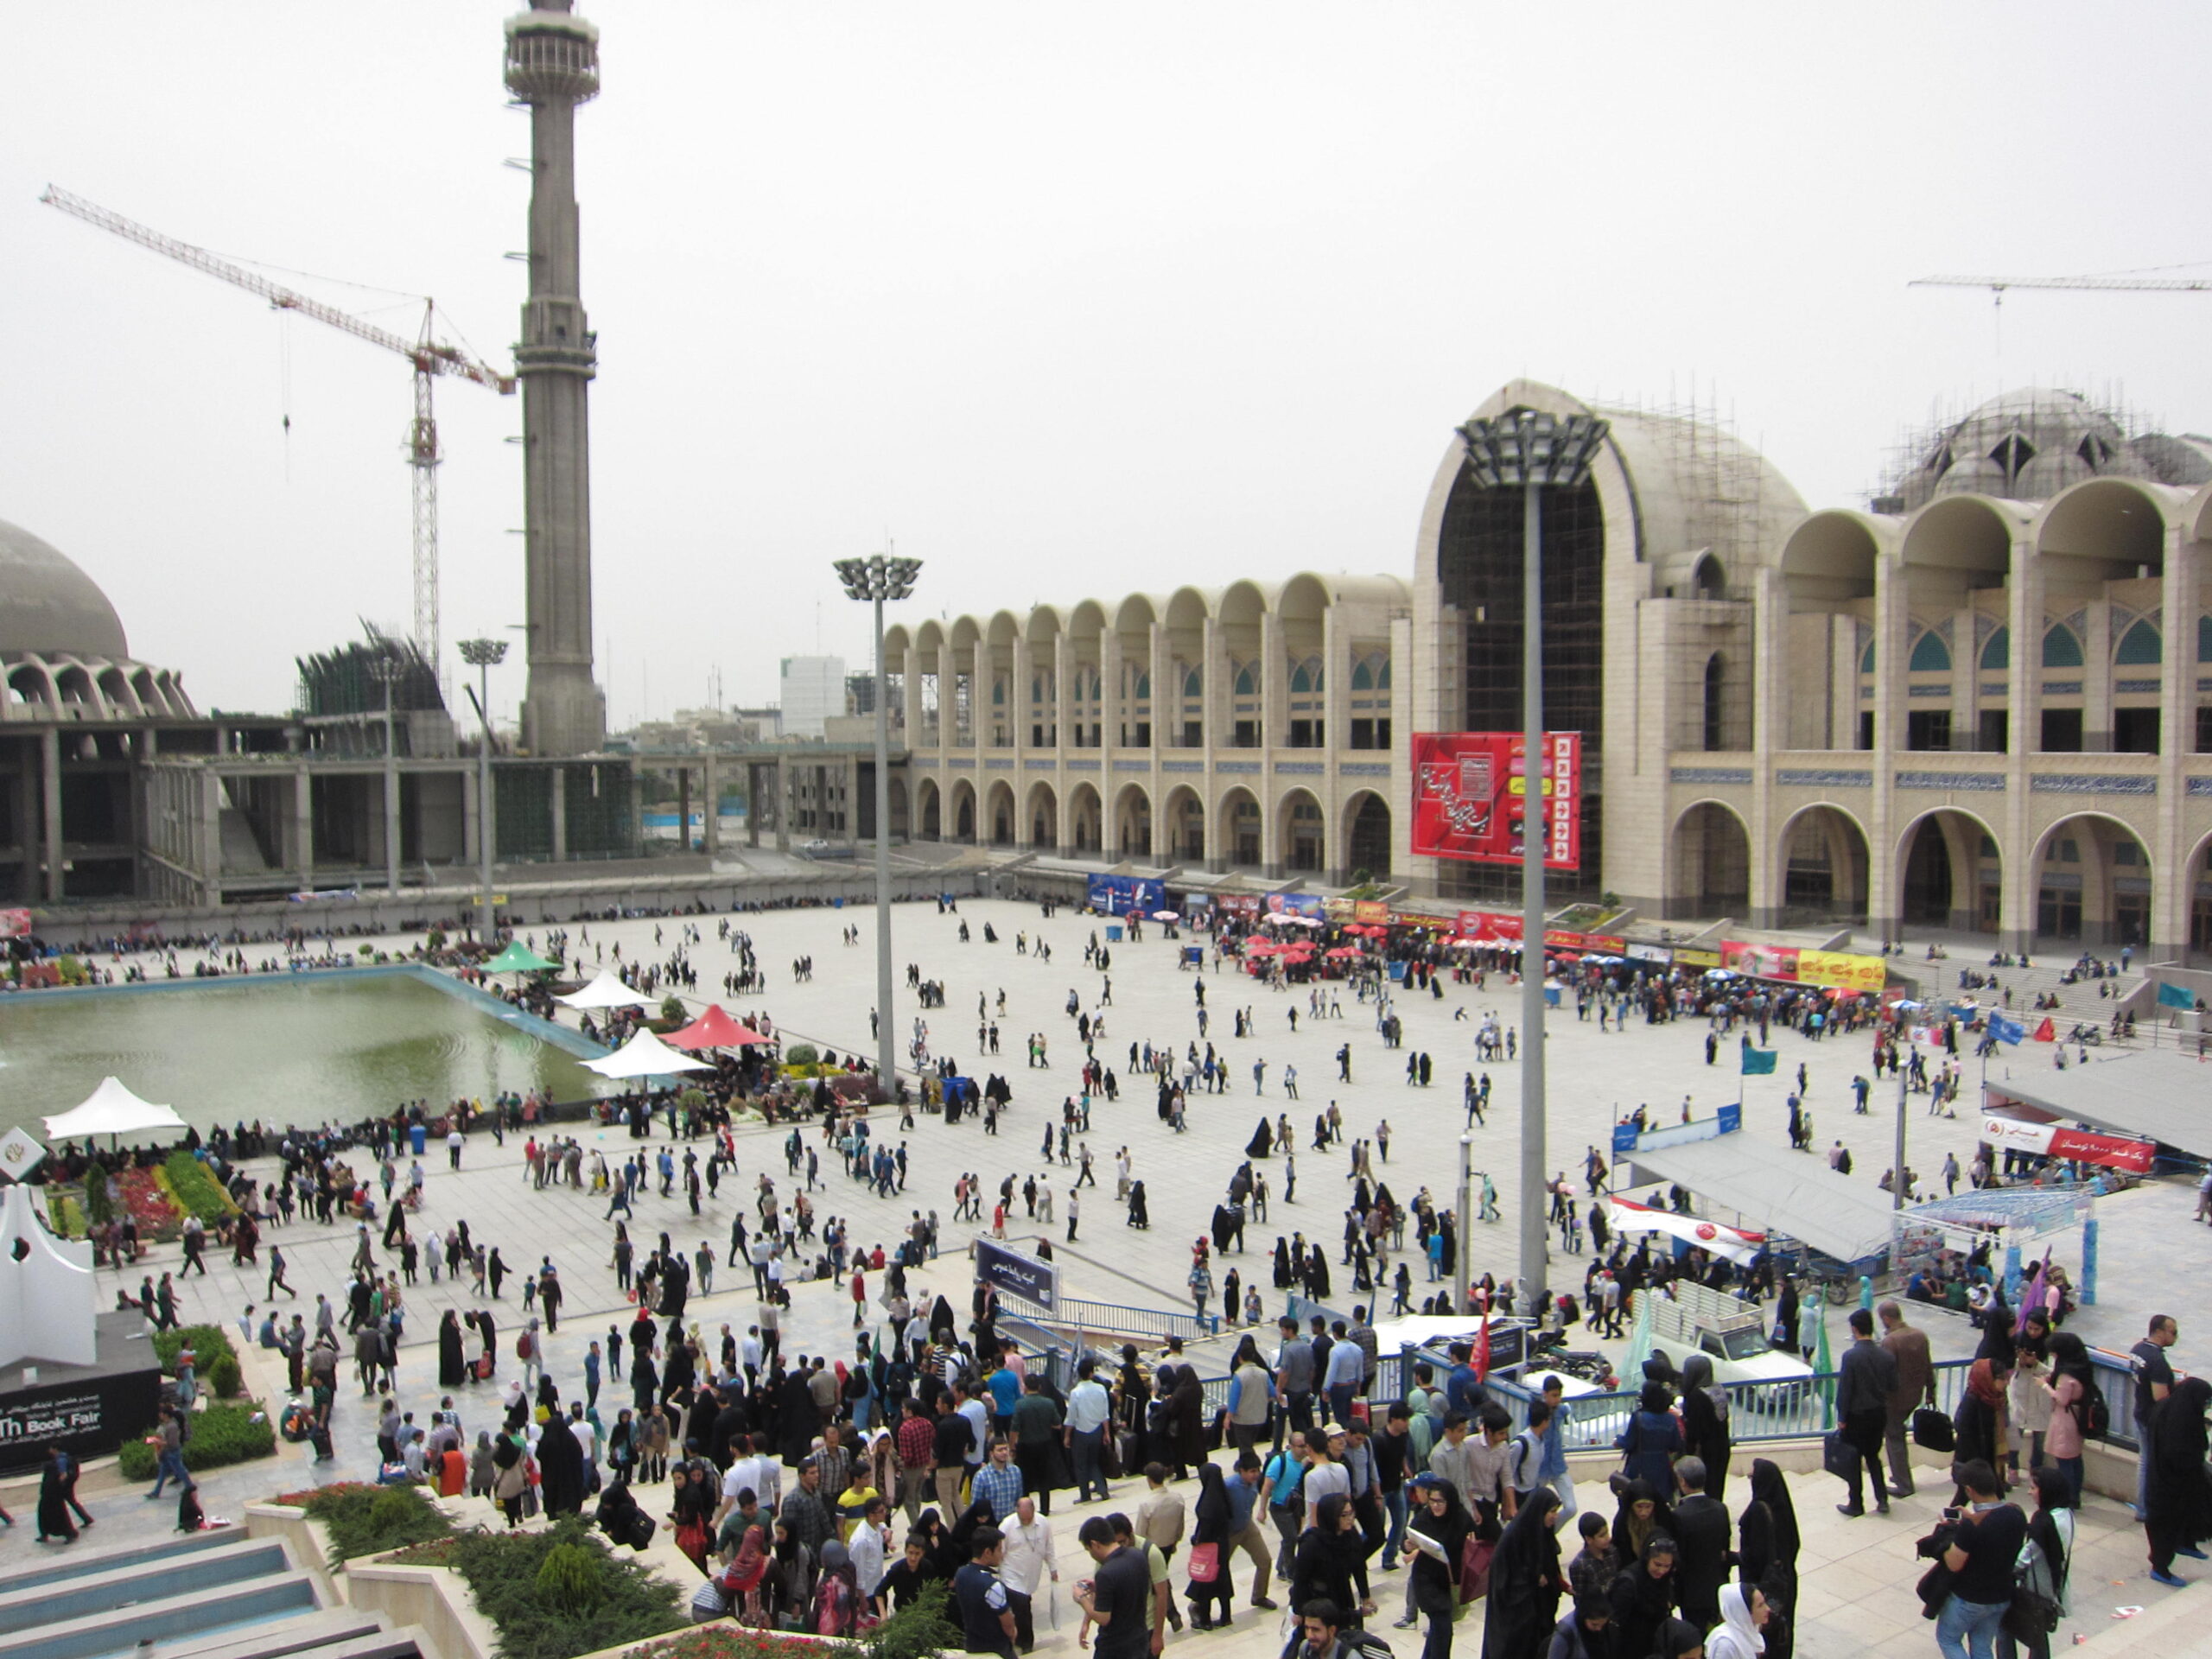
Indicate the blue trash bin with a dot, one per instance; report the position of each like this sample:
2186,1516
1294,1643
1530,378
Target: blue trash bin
1113,933
418,1136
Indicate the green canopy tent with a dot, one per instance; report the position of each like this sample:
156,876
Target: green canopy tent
519,958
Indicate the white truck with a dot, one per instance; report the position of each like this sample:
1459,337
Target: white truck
1694,1318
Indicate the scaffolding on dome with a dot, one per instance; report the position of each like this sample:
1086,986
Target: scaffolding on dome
343,681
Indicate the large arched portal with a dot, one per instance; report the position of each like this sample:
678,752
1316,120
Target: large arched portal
1824,863
1240,841
999,814
1044,817
1133,822
933,825
1367,837
1950,874
1085,822
2093,884
1184,822
1711,863
901,824
1305,832
964,811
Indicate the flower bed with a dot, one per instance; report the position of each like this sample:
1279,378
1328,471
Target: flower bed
195,1192
220,1435
616,1603
150,1206
918,1631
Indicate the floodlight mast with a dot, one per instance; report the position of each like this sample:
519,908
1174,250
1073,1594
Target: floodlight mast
876,579
1528,450
484,655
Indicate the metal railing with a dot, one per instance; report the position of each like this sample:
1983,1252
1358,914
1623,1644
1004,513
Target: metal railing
1116,1318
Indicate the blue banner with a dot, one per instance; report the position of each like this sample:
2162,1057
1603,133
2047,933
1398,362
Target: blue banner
1731,1118
2007,1031
1013,1275
1123,895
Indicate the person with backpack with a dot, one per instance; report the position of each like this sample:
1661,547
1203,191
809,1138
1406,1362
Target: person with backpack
2068,1388
1524,1454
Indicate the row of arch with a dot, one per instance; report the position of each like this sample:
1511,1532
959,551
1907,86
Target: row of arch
2137,644
94,688
1237,831
2089,874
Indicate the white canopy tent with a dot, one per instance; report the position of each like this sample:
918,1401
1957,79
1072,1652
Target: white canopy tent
645,1056
112,1109
605,991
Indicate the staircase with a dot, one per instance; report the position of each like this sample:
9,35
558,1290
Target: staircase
213,1595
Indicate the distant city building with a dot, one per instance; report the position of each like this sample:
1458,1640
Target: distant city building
691,729
860,693
813,690
766,720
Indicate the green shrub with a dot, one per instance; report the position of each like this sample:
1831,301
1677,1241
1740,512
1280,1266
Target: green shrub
434,940
568,1579
671,1007
802,1054
223,1377
196,1191
366,1520
502,1572
61,1208
220,1435
99,1209
209,1343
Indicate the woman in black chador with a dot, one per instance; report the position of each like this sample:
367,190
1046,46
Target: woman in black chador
1262,1144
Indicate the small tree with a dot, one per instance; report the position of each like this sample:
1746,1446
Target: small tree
569,1579
672,1009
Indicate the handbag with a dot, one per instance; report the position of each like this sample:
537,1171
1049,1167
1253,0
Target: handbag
1205,1563
2030,1615
1932,1431
1838,1457
1475,1557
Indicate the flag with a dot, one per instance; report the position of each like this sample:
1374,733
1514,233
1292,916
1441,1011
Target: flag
1759,1062
2175,996
1482,1349
2046,1032
2007,1031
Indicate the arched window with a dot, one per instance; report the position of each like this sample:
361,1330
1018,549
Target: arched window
1715,683
1370,701
1866,659
2062,647
1997,654
2139,646
1194,686
1247,682
998,693
2204,638
1929,655
1362,675
1302,679
1144,685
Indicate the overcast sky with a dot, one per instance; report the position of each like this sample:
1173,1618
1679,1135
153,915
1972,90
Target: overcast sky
1068,300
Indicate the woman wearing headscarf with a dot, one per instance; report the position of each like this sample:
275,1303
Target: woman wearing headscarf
2179,1513
1436,1536
1976,1422
798,1420
1525,1582
692,1512
561,1467
789,1587
452,1365
1284,1278
1643,1597
1186,1411
1640,1515
1744,1620
959,1546
2044,1565
1705,1421
644,1379
745,1579
928,1527
1653,1440
2068,1384
837,1594
54,1524
1786,1318
1317,1274
1210,1525
1330,1561
1766,1541
512,1482
1262,1145
488,1364
482,1471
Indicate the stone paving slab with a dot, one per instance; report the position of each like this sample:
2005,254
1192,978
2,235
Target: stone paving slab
2149,1243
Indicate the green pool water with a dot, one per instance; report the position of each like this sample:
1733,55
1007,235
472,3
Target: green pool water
284,1051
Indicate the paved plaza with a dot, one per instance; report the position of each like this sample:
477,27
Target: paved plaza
1857,1599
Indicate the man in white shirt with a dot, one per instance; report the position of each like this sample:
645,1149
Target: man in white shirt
972,1407
1090,1410
586,1438
1028,1566
759,1472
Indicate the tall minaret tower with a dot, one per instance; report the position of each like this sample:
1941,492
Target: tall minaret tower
553,66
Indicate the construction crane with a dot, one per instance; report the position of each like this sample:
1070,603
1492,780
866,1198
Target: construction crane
430,357
1997,285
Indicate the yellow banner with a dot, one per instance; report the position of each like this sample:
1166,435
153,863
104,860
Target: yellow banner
1848,972
1685,957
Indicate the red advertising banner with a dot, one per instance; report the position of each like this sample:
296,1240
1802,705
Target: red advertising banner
2111,1151
1760,961
1471,791
1605,944
1374,912
1489,925
14,923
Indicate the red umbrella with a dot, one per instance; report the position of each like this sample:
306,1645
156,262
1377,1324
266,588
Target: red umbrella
713,1029
1343,950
